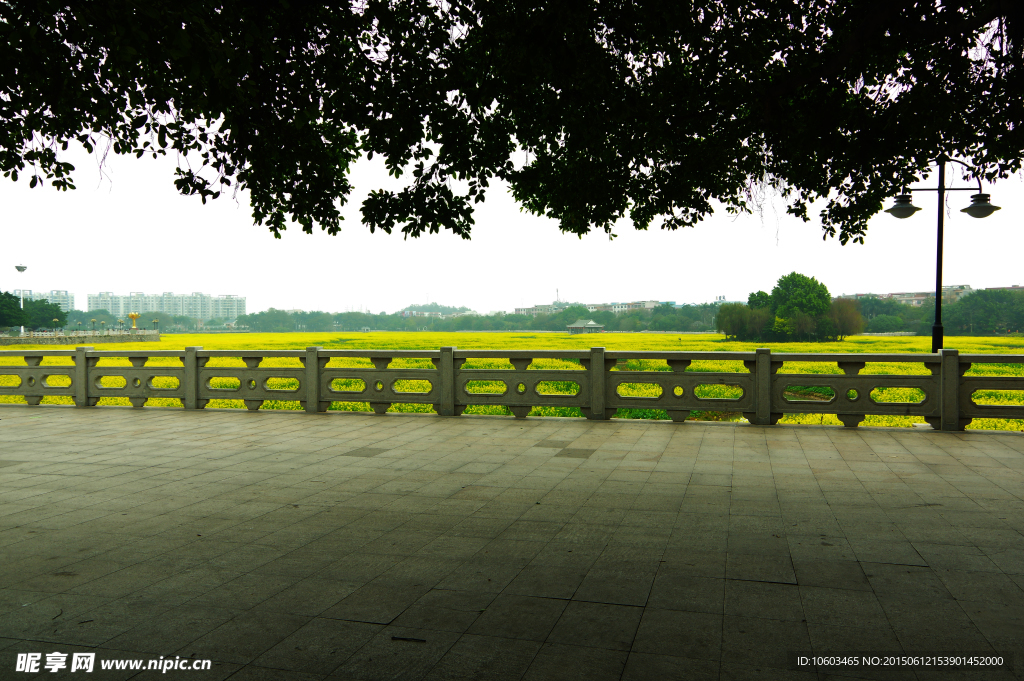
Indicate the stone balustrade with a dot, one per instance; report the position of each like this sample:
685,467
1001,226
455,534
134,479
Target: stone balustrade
763,393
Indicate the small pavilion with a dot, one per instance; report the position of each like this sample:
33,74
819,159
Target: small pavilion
585,326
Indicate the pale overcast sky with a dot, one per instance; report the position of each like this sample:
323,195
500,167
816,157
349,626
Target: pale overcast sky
130,231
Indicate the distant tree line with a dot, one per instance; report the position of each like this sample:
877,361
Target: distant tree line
980,313
662,318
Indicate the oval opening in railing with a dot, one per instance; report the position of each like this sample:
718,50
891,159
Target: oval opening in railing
10,381
718,391
281,384
998,398
225,383
407,387
110,382
808,393
485,387
639,391
897,395
557,388
163,383
57,381
348,385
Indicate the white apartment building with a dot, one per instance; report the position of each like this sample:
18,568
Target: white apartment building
200,306
65,300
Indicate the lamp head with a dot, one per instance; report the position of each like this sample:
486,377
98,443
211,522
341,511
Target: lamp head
980,206
20,268
903,208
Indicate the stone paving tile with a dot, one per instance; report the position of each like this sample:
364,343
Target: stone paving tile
520,617
476,658
556,662
398,653
350,546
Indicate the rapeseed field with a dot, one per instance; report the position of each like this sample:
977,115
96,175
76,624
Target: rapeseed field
561,341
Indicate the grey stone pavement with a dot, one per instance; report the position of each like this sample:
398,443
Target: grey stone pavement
352,546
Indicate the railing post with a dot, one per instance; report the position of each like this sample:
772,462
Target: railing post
446,370
949,390
191,362
763,387
598,383
82,376
312,403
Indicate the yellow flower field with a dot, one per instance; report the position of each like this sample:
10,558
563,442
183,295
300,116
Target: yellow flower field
558,341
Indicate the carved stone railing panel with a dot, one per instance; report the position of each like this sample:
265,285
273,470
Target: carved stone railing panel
970,384
37,382
138,383
253,386
948,403
683,399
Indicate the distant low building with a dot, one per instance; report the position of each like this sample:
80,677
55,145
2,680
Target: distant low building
585,326
950,294
617,308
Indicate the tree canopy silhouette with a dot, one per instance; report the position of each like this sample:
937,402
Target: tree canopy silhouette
590,111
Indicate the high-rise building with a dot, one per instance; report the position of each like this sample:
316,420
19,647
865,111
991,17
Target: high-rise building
200,306
65,300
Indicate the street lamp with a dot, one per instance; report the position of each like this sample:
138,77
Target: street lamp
22,268
980,208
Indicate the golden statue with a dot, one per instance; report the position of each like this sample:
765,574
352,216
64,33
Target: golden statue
133,316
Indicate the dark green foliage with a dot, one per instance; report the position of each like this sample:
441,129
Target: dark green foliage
885,323
313,321
732,320
798,309
41,314
985,313
846,317
873,306
759,300
795,293
590,111
269,321
11,313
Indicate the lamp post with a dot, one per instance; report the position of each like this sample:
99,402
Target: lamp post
22,268
979,208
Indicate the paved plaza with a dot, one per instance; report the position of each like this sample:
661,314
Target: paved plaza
352,546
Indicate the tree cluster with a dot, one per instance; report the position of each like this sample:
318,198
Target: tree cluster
799,308
38,315
590,111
